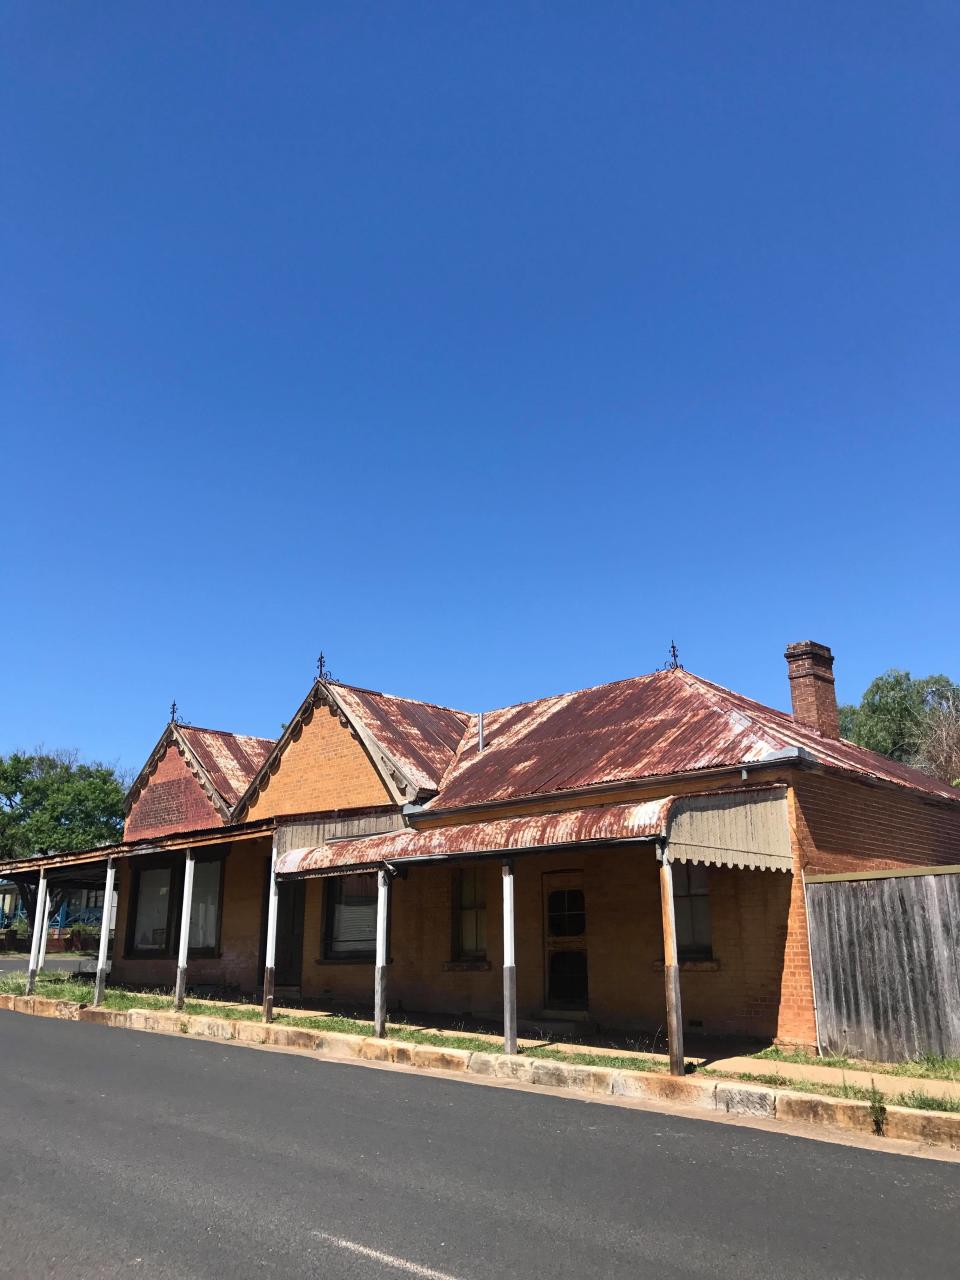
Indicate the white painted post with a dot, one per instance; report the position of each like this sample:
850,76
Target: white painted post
104,933
671,966
181,987
380,972
39,924
270,957
509,965
42,957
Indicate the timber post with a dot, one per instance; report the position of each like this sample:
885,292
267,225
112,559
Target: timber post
39,924
509,964
380,972
671,967
270,952
181,988
101,981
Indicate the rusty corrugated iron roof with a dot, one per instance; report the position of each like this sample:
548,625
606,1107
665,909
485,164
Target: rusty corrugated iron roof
419,736
603,823
230,760
661,724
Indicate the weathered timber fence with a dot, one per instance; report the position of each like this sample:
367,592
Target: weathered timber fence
885,950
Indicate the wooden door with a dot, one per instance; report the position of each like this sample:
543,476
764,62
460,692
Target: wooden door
565,940
290,903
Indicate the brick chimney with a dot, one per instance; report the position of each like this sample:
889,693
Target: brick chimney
812,692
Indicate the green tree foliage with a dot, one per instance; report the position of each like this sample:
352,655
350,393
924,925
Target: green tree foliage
897,716
50,801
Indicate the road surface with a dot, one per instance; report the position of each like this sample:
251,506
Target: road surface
128,1154
20,960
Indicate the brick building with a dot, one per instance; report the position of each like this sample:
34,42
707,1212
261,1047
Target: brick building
631,856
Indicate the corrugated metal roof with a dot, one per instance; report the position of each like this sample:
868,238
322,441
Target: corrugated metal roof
230,760
420,737
575,826
655,725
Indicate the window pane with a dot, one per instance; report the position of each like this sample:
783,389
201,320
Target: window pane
470,915
354,922
205,908
699,876
684,919
566,913
153,903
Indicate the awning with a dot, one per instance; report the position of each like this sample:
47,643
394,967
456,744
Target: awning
745,828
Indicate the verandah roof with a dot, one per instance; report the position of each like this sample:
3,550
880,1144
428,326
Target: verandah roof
746,828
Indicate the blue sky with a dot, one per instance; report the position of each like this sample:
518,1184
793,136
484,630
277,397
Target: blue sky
487,348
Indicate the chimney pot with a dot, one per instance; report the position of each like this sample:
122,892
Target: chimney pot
812,689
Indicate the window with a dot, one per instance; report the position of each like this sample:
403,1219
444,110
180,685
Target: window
469,914
205,907
566,913
691,904
151,919
351,931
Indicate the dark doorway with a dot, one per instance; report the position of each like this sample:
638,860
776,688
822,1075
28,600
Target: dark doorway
567,980
290,901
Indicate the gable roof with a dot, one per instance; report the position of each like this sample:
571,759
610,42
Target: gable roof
223,763
410,743
665,723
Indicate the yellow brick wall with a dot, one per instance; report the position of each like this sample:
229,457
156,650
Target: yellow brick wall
749,913
325,768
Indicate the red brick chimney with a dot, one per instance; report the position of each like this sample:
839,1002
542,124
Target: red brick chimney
812,692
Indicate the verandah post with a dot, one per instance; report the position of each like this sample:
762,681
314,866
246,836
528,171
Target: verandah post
181,988
39,924
671,967
509,965
104,933
45,935
270,960
380,973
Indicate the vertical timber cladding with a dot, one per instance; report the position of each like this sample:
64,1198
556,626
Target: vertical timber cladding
886,965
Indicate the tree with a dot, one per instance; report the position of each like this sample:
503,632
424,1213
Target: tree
51,802
939,752
897,716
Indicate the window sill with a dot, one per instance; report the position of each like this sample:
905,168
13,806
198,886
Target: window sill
691,966
466,966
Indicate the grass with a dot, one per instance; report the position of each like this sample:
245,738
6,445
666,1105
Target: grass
596,1060
926,1066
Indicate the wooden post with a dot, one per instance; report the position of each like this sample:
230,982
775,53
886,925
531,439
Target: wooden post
186,907
671,968
270,960
380,973
104,933
39,925
509,965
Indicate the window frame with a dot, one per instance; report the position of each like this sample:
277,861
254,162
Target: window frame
214,952
458,954
692,951
131,950
330,900
174,908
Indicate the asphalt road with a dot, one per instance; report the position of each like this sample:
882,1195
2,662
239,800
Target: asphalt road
18,963
128,1154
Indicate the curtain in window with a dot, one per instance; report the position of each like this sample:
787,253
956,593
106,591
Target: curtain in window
205,908
153,907
353,920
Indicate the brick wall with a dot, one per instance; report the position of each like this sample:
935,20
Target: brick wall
172,800
739,993
325,768
240,933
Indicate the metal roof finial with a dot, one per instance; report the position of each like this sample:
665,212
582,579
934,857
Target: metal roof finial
323,671
673,663
174,713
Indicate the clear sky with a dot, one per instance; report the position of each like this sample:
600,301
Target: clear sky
486,347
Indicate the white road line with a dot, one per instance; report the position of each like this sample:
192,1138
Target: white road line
400,1264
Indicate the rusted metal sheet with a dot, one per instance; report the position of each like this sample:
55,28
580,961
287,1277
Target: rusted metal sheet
574,826
230,760
662,724
419,736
